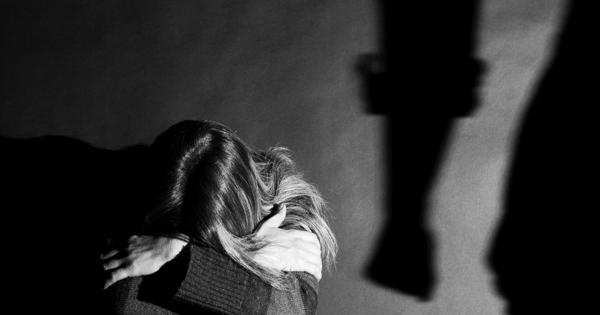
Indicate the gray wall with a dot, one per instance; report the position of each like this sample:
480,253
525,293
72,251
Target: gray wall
282,73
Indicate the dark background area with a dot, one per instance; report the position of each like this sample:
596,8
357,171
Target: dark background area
545,246
114,74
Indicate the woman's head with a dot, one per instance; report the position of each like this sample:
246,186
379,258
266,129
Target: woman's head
215,188
209,180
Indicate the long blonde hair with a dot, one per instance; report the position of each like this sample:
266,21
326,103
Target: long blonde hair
217,190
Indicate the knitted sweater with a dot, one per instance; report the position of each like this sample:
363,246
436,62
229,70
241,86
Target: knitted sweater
60,195
202,281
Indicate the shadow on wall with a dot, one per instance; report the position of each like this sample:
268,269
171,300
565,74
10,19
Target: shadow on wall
425,77
544,252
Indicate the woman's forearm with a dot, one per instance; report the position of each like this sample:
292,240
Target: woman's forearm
214,281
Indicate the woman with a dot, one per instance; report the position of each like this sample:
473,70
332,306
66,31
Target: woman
222,197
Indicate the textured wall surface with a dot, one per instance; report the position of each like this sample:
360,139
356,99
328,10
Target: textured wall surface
281,73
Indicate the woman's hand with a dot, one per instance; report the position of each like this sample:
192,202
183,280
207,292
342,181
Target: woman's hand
288,250
143,255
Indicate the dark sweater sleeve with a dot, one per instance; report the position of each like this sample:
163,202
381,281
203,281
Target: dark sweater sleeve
216,282
206,280
301,298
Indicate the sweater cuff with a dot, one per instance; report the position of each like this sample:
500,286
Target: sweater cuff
214,281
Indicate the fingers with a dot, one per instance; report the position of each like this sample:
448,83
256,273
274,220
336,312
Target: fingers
316,272
309,248
112,264
119,247
309,241
307,258
109,254
289,250
311,266
308,237
282,213
315,267
117,275
273,222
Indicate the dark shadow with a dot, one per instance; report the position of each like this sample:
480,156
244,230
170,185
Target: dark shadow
543,254
425,77
61,199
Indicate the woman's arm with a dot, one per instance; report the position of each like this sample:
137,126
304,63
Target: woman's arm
197,277
300,299
200,279
214,281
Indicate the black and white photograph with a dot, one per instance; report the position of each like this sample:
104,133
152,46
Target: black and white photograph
299,157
